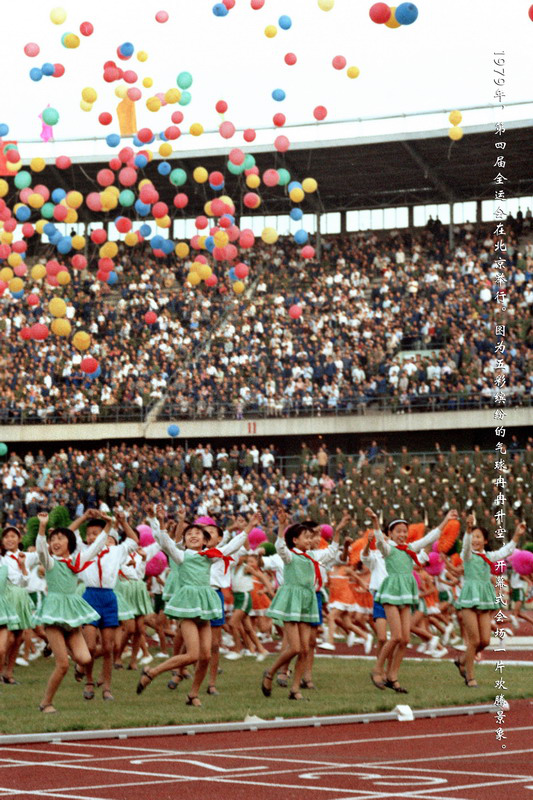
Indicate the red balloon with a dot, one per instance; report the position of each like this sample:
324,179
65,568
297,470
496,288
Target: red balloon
320,112
144,135
150,317
126,154
290,59
236,156
105,265
530,13
115,163
19,247
295,312
78,261
86,28
282,144
130,76
102,276
201,259
279,120
229,4
246,239
257,4
227,129
216,178
60,213
13,156
127,176
27,230
201,222
93,201
63,162
123,224
161,16
224,222
105,118
271,177
105,177
380,13
339,62
249,135
10,225
307,251
181,200
212,280
218,207
172,132
251,200
89,365
231,252
177,117
39,332
26,333
233,233
32,300
241,270
221,106
195,242
159,210
59,70
99,236
148,194
4,252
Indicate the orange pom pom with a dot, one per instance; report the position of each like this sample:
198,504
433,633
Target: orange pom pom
415,531
448,536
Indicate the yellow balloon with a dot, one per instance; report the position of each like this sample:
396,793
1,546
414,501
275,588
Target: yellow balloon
309,185
238,287
196,129
455,134
221,238
182,249
89,94
131,239
163,222
153,104
326,5
61,327
63,277
81,340
57,307
78,242
39,225
296,194
352,72
108,200
165,149
6,274
71,41
270,235
392,22
74,199
208,211
72,216
121,92
253,181
270,32
85,106
37,164
142,55
194,278
195,266
108,250
36,200
455,117
147,82
6,237
229,202
16,284
58,15
173,96
200,174
113,190
38,271
205,271
202,241
4,187
14,259
13,167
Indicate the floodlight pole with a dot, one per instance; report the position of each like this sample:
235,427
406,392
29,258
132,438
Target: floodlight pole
318,237
451,226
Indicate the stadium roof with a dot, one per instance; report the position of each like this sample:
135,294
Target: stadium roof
370,172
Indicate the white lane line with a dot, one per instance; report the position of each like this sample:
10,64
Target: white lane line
445,757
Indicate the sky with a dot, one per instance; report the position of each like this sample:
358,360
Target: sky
441,62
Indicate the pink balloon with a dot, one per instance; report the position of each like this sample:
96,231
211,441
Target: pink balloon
241,270
134,94
295,312
246,239
249,135
339,62
237,156
32,49
271,177
227,129
127,176
161,16
320,112
282,144
307,251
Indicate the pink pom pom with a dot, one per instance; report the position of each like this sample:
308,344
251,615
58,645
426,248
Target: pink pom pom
522,562
417,579
326,531
146,536
205,521
256,537
156,565
435,565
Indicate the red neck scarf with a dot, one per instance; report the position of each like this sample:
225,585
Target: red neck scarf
17,559
410,553
75,568
318,574
491,564
213,552
101,554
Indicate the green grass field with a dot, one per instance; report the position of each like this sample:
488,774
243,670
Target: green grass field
344,687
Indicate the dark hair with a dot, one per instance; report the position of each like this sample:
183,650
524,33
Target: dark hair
294,530
395,522
96,523
191,525
9,528
70,535
483,531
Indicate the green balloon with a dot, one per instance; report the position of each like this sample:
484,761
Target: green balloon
284,176
249,161
185,98
126,198
22,179
184,80
3,449
47,211
178,177
236,169
50,116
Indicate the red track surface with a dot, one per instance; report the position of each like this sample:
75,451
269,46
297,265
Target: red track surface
450,758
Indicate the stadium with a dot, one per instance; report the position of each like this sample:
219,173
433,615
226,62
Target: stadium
289,337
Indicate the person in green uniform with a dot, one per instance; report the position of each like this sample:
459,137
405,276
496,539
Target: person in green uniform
295,603
478,599
63,611
399,591
6,615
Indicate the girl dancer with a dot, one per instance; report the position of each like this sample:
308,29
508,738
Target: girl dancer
63,611
478,598
17,598
399,591
6,615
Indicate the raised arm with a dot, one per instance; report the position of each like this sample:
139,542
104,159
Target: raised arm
281,545
168,546
234,544
42,545
126,527
509,547
434,534
376,533
96,547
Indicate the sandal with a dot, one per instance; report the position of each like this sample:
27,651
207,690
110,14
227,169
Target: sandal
297,696
281,679
212,690
175,681
118,665
190,701
10,681
377,684
460,667
142,686
88,694
267,691
307,684
79,675
395,686
471,683
48,708
106,695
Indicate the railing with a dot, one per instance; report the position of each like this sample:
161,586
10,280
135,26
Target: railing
19,416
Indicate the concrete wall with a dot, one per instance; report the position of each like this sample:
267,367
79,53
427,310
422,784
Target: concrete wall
241,429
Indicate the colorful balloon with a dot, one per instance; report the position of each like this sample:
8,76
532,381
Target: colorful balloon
379,13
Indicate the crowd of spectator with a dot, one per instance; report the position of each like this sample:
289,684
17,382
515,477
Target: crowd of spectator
242,478
370,303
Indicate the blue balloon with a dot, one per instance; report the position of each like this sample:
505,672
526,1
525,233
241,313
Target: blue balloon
279,95
285,22
210,243
137,142
36,74
98,371
294,185
4,130
58,195
49,229
232,274
157,242
164,168
173,430
406,13
300,237
145,230
18,295
167,246
140,161
56,237
220,10
112,139
228,216
64,245
48,69
216,188
163,137
296,213
142,209
23,213
126,49
111,280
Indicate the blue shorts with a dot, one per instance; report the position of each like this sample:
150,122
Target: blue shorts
220,621
320,602
104,602
378,612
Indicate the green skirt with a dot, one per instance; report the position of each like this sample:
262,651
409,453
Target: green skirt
69,611
7,616
398,589
191,602
20,606
294,604
137,598
125,611
477,594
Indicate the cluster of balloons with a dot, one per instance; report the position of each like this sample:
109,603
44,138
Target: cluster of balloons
393,16
455,133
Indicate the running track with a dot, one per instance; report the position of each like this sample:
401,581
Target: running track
449,758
